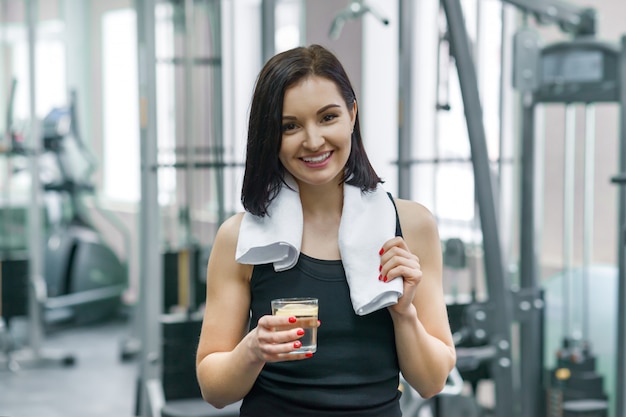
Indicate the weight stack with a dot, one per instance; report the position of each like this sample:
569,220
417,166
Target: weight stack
576,389
183,287
180,341
14,288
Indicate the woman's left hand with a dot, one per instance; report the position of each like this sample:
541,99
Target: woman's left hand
398,262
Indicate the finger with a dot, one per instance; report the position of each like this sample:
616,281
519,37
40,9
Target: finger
279,322
396,251
400,264
408,274
397,241
295,356
275,352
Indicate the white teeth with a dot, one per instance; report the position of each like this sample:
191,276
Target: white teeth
317,158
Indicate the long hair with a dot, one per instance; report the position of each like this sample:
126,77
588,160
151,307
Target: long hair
264,173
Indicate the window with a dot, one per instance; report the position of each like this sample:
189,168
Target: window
120,118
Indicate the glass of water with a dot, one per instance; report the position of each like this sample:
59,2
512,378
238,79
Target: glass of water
305,311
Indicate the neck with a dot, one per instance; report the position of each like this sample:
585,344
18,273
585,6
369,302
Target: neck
326,200
321,210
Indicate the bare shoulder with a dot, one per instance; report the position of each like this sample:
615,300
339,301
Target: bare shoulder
415,217
228,232
225,244
222,260
419,228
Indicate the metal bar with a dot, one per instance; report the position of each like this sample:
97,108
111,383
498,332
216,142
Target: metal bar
268,29
156,396
620,387
460,160
531,348
588,215
218,104
569,168
84,297
196,61
570,17
440,106
35,221
405,94
150,263
498,285
190,134
207,165
506,138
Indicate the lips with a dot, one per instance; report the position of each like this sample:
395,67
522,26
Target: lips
317,159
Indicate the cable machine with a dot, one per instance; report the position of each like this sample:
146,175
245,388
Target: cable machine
543,77
583,71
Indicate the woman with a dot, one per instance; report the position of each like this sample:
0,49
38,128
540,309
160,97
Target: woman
304,137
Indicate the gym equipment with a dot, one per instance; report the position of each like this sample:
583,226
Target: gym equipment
13,281
180,386
84,276
184,274
577,369
159,336
582,71
355,10
620,180
450,402
497,325
33,354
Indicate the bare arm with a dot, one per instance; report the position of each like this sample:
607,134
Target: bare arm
229,359
424,343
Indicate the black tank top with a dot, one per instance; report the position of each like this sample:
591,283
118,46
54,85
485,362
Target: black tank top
355,371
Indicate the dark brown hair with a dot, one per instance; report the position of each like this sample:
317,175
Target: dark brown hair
264,173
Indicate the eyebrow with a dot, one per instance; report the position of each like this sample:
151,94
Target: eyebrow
320,111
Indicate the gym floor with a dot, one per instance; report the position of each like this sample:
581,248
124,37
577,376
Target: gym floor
99,384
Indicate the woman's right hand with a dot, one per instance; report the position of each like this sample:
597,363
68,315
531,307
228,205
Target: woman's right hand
275,337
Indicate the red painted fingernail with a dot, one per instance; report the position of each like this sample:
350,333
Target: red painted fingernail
297,344
385,279
380,277
292,319
380,268
381,251
300,332
308,355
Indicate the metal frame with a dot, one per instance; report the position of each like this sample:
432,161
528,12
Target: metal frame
499,292
151,398
620,391
613,93
525,305
268,29
405,97
578,21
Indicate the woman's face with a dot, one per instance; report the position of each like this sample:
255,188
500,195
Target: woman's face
317,129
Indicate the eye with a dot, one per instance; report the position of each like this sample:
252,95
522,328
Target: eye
329,117
288,126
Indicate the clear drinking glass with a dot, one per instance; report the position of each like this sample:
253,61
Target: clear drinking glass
305,311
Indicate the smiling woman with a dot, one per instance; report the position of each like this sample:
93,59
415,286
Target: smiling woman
319,224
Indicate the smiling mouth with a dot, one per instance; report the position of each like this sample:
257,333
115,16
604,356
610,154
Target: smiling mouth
317,159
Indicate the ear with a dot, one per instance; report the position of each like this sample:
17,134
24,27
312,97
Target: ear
353,114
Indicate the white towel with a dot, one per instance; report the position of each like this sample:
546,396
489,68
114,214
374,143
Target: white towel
368,220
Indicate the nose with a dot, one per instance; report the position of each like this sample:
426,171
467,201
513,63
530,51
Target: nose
314,138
